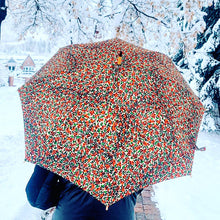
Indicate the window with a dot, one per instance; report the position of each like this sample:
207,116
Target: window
11,68
28,69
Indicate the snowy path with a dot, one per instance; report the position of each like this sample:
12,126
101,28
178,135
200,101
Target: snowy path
191,198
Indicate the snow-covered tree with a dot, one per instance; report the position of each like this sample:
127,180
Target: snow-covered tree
142,22
174,27
3,13
201,66
33,16
209,68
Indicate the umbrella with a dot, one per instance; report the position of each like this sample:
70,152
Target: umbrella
110,117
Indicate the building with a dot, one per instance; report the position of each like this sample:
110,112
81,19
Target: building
11,65
19,69
28,66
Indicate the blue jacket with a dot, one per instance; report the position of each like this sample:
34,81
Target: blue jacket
73,203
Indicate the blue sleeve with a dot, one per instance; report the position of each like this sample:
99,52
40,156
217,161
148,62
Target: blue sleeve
43,188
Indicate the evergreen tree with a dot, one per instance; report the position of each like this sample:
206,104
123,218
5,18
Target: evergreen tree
3,13
201,66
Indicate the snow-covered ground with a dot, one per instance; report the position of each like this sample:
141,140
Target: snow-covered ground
187,198
195,197
14,172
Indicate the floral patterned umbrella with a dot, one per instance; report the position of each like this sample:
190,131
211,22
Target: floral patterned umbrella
110,117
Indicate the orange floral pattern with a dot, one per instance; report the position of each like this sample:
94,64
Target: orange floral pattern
110,129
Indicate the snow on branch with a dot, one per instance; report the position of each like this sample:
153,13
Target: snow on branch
149,16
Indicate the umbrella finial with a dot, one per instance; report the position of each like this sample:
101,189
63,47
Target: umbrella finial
120,58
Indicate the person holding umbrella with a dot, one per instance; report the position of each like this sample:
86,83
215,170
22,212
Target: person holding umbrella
46,189
103,121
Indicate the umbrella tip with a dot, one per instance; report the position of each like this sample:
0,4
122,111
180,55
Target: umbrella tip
200,149
120,58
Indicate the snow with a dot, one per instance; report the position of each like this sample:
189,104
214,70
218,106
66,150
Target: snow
192,198
212,42
195,197
13,171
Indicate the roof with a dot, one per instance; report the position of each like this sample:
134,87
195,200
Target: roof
11,61
28,62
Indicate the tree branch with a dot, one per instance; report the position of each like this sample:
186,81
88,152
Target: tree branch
141,12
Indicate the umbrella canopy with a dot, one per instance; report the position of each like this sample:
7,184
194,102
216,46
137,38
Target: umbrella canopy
110,117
